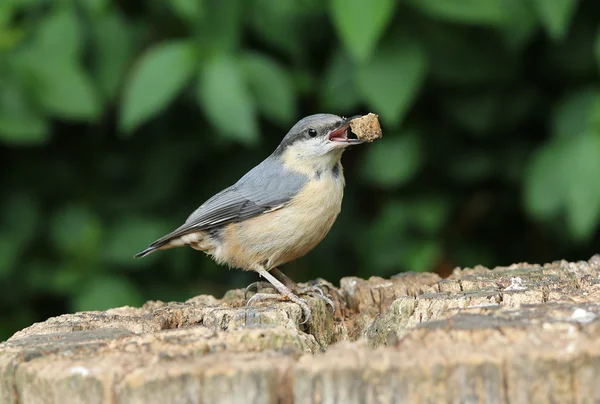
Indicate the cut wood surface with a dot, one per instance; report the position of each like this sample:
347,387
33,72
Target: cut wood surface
518,334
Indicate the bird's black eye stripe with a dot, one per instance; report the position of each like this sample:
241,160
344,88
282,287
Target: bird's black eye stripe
312,133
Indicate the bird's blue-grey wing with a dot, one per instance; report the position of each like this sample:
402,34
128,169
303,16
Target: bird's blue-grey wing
267,186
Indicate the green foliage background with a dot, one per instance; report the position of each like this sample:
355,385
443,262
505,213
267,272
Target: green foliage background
118,118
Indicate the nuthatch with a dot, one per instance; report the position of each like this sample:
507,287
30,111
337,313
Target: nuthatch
278,211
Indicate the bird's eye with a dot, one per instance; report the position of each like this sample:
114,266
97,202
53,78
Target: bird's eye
312,133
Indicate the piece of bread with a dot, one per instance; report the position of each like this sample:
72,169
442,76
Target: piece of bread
366,128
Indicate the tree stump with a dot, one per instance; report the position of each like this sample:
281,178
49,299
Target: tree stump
518,334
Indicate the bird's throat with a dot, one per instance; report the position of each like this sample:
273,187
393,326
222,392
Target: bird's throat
310,165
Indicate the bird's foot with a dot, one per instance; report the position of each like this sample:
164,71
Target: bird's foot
312,290
288,290
316,291
280,296
257,286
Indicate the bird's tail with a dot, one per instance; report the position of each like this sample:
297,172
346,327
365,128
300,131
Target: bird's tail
169,241
173,239
145,252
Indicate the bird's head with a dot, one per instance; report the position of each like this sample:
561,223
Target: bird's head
317,141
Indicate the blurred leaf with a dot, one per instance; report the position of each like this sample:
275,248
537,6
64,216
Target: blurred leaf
113,50
9,37
130,236
360,24
60,85
96,6
23,3
427,214
19,123
46,277
382,244
422,255
59,36
564,173
161,74
521,24
226,99
472,255
401,237
574,113
488,12
221,24
339,93
387,239
471,165
555,15
278,23
67,92
543,181
10,250
571,60
597,48
271,87
23,130
10,34
190,10
461,56
517,106
19,318
69,278
21,217
40,276
581,171
391,81
393,162
107,292
304,82
76,231
7,11
512,162
473,112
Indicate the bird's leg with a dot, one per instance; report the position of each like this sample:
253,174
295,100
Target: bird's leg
284,291
283,278
312,290
280,276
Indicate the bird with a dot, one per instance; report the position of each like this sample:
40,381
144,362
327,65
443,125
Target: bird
278,211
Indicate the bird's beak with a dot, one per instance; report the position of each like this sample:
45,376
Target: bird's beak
344,134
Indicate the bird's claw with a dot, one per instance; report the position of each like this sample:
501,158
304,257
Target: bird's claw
310,289
264,296
258,285
275,296
317,291
326,299
318,287
292,293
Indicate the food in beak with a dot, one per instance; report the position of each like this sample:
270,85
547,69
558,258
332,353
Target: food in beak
366,128
343,134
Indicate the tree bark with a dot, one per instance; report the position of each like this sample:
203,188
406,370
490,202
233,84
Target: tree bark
518,334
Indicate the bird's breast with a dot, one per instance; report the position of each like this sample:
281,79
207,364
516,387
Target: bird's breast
283,235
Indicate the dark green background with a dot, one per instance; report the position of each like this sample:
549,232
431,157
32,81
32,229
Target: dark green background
118,118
